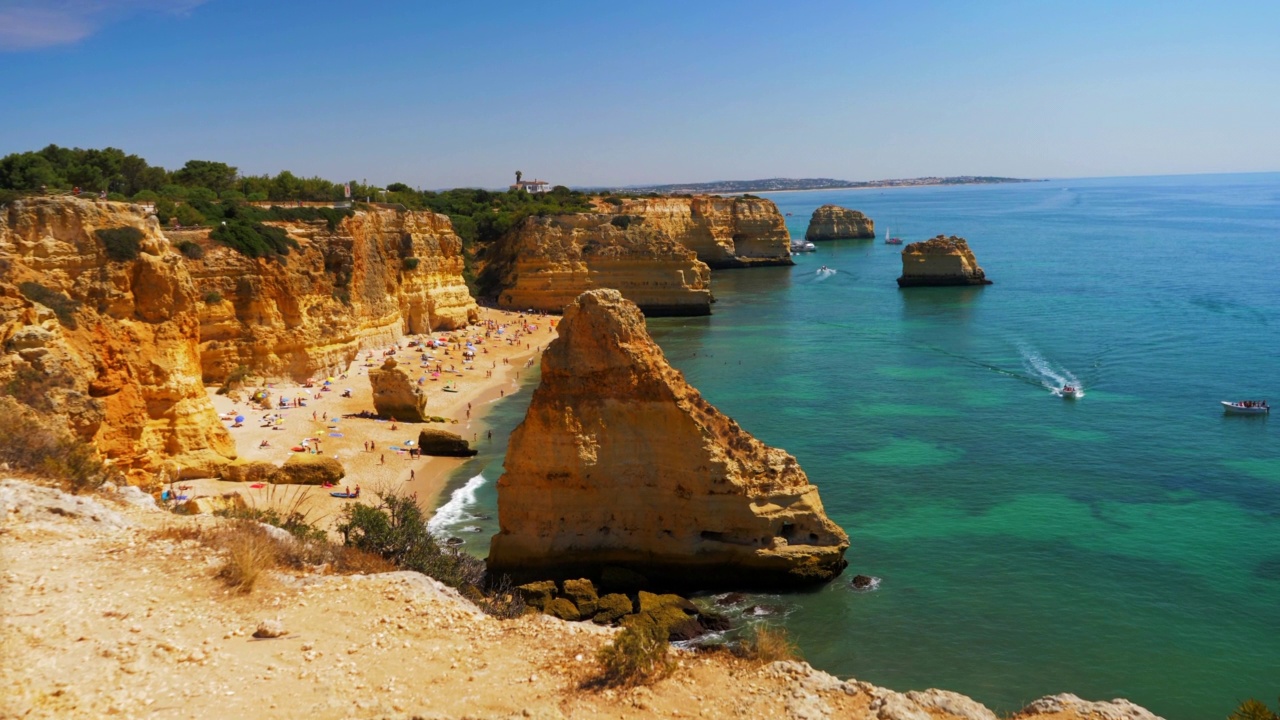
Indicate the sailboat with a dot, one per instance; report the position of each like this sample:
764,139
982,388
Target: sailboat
889,239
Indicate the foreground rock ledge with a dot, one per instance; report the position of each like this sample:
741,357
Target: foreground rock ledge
619,463
940,261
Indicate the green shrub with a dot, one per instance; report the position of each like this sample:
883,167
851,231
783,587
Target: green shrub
624,221
61,305
615,201
192,250
411,263
213,297
1252,709
637,656
122,243
397,530
253,239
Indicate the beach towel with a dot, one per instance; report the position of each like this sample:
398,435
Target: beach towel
258,486
335,434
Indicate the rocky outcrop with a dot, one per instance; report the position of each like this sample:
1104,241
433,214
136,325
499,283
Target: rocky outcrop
396,395
109,346
619,463
546,262
307,469
832,222
442,443
725,232
367,281
940,261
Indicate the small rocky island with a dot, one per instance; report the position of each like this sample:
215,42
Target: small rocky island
832,222
940,261
621,466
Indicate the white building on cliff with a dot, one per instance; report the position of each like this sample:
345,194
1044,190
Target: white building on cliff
530,186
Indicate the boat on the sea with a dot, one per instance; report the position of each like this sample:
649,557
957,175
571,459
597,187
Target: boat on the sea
891,239
799,246
1246,407
1070,392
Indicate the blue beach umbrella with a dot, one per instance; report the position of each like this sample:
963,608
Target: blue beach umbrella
239,418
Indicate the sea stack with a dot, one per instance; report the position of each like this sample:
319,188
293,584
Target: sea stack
832,222
940,261
620,465
396,395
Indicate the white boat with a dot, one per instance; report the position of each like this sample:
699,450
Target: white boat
799,246
1070,392
1246,407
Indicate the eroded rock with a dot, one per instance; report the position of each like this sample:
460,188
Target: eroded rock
620,463
832,222
940,261
396,394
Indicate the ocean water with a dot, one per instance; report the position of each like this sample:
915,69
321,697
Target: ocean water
1125,544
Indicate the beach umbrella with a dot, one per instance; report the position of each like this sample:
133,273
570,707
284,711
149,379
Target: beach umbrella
239,418
328,382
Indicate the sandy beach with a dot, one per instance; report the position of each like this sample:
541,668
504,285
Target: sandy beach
501,360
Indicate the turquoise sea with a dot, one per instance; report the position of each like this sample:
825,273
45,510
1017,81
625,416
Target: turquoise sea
1126,544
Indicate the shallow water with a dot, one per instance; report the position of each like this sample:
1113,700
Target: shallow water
1124,544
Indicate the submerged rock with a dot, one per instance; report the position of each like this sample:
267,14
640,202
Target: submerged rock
832,222
620,463
940,261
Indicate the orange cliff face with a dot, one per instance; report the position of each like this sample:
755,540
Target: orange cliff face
619,463
370,280
545,263
725,232
111,347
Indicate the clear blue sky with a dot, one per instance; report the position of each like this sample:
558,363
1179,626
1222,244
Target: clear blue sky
442,94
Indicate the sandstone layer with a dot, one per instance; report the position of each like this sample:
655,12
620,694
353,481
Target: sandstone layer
619,463
396,395
832,222
368,281
544,263
109,347
940,261
725,232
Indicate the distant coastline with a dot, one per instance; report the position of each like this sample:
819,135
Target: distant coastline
729,187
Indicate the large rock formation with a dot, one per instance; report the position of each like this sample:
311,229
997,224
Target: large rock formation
442,443
396,395
621,464
940,261
113,341
369,280
544,263
832,222
110,347
725,232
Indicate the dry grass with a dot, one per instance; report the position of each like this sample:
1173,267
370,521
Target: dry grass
766,643
637,656
180,532
250,554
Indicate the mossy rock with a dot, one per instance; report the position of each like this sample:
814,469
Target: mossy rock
562,609
611,607
537,594
583,594
670,622
649,602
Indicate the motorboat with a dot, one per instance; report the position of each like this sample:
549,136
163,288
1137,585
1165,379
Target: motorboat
1246,407
799,246
1070,392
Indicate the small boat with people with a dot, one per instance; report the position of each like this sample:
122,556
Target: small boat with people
1070,392
1246,407
799,246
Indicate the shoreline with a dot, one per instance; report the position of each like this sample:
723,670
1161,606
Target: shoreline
388,467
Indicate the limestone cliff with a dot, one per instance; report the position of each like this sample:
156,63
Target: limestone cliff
544,263
374,277
110,347
725,232
832,222
940,261
621,464
396,395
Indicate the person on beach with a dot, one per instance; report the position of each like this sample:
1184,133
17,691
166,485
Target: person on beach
382,459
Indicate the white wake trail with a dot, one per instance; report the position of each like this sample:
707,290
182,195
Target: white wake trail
456,510
1052,378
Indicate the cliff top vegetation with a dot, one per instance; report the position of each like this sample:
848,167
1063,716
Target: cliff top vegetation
204,192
